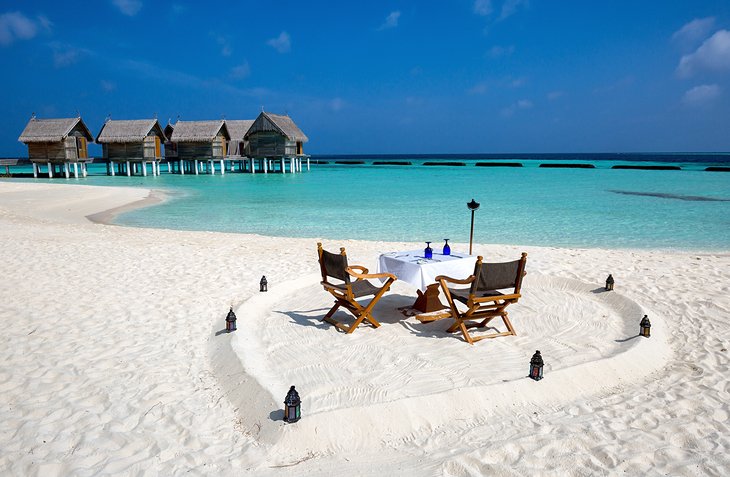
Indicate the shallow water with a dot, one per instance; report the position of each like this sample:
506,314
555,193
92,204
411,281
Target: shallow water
601,207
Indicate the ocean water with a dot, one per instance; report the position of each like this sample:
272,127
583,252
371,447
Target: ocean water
602,207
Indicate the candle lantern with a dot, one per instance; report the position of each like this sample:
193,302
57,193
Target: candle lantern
473,206
536,366
231,321
292,406
645,327
263,284
609,282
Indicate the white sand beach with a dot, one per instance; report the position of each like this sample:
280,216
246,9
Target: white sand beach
113,361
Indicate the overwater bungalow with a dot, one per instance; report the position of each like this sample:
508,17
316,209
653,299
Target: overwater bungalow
57,144
238,147
200,143
277,137
132,144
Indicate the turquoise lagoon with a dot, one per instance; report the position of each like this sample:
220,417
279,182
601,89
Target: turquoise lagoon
602,207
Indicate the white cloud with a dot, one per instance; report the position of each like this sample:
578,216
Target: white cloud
281,43
510,7
701,95
479,88
225,45
522,104
241,71
128,7
553,95
693,32
517,82
16,26
107,86
712,55
66,55
391,21
498,51
45,22
337,104
483,7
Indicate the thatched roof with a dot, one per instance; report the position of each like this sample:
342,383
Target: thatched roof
279,123
52,130
128,130
238,128
198,131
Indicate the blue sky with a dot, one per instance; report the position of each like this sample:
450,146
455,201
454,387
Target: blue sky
463,76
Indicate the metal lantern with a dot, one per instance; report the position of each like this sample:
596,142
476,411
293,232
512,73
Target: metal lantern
473,206
645,327
263,284
536,366
292,406
609,282
231,321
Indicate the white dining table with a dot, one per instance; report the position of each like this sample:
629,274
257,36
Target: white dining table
413,267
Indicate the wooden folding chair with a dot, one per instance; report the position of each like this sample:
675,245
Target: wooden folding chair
334,266
482,299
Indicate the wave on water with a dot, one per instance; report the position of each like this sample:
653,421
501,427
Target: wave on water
694,198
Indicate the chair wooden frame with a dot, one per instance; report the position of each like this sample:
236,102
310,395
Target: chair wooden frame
482,305
346,297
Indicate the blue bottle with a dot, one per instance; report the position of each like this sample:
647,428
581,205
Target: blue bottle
428,251
447,249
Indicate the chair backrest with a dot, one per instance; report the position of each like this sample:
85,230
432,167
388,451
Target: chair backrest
496,276
333,264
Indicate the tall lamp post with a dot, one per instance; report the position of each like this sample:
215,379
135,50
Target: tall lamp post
473,206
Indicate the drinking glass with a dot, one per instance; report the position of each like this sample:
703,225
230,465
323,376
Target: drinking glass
428,251
447,249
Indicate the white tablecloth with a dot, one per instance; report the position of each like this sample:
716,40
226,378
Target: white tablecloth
412,267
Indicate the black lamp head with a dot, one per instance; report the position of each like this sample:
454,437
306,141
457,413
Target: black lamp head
473,205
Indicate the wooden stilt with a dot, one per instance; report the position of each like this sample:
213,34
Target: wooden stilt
143,165
65,170
253,169
76,170
35,170
266,169
181,168
83,169
307,163
223,168
283,165
111,163
196,167
129,171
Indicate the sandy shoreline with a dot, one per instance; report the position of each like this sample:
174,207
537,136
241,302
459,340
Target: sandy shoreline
112,362
107,217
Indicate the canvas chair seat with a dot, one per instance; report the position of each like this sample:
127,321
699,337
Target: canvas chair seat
492,288
346,291
360,288
462,294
